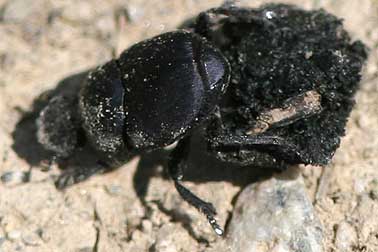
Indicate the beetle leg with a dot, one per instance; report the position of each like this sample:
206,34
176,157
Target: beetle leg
204,207
73,176
175,166
246,141
276,145
213,17
296,108
177,159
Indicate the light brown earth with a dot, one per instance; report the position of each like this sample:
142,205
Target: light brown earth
43,42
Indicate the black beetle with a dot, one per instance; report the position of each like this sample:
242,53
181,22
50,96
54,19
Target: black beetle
293,76
153,95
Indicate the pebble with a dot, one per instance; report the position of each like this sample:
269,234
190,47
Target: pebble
13,177
31,14
16,11
80,12
85,249
2,240
170,238
147,226
275,215
345,237
31,239
14,235
114,190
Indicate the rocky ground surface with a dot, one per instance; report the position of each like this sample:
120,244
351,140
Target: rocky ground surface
135,208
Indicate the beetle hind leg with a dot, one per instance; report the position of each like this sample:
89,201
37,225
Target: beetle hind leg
204,207
175,167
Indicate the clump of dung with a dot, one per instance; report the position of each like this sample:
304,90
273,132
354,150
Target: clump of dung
278,52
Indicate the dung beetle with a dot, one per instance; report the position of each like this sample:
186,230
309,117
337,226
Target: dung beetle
272,86
154,94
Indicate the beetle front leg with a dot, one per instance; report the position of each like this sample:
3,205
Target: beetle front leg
274,145
293,109
176,163
76,175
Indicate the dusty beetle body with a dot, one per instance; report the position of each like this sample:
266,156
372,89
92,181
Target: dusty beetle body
154,93
150,97
291,76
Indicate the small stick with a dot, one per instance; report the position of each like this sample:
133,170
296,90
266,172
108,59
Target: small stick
293,109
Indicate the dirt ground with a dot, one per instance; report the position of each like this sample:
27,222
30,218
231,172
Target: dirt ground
44,43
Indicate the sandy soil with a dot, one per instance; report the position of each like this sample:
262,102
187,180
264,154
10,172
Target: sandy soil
44,43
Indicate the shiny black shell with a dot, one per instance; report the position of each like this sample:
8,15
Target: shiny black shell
154,93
